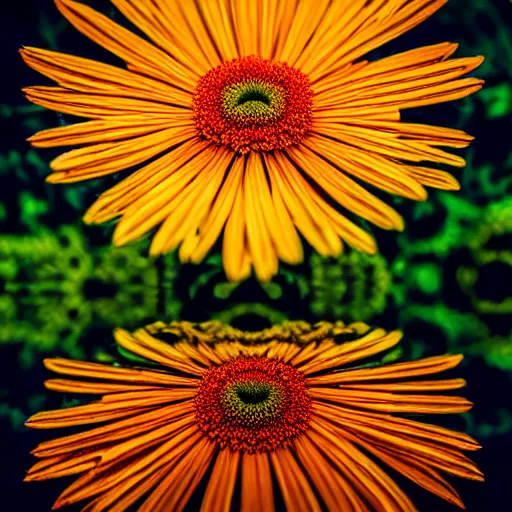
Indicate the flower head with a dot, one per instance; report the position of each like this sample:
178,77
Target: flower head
248,420
253,119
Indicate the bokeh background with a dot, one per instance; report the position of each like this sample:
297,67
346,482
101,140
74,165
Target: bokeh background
446,281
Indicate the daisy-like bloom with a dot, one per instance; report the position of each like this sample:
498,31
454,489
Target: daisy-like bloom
257,119
252,421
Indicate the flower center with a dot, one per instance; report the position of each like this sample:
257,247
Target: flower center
253,96
251,393
249,101
252,404
252,104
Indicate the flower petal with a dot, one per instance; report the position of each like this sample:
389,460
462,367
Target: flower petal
367,27
90,76
257,486
219,491
135,51
99,105
158,203
108,158
295,488
345,191
111,130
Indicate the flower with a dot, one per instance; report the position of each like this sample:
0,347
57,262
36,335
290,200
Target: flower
248,118
258,418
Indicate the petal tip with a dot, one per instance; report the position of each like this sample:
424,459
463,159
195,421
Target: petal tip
88,217
119,238
49,362
29,478
54,178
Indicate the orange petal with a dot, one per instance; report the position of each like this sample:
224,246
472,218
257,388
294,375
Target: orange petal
295,488
219,491
134,50
85,75
257,486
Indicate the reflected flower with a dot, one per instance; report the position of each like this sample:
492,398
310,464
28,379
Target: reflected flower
247,421
254,119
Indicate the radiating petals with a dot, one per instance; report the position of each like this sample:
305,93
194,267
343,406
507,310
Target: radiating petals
329,33
119,198
146,346
163,438
71,386
391,81
191,206
386,67
127,492
372,141
107,409
403,97
116,129
178,105
89,76
175,489
157,204
219,491
152,20
451,461
191,39
135,51
367,478
333,488
302,28
246,26
299,197
394,403
260,244
296,490
432,135
235,254
257,492
281,229
100,105
217,18
269,12
433,177
346,191
368,345
103,478
62,465
114,373
114,432
192,17
409,427
370,27
442,457
426,366
420,473
214,223
426,65
107,158
372,168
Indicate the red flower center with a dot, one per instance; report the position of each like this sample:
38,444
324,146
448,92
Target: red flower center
252,404
253,104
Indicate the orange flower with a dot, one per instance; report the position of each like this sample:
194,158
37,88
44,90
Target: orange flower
258,418
253,115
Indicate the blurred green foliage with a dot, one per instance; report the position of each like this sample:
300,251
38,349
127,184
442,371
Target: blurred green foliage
354,286
56,286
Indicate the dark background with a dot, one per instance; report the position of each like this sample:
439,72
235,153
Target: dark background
63,288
